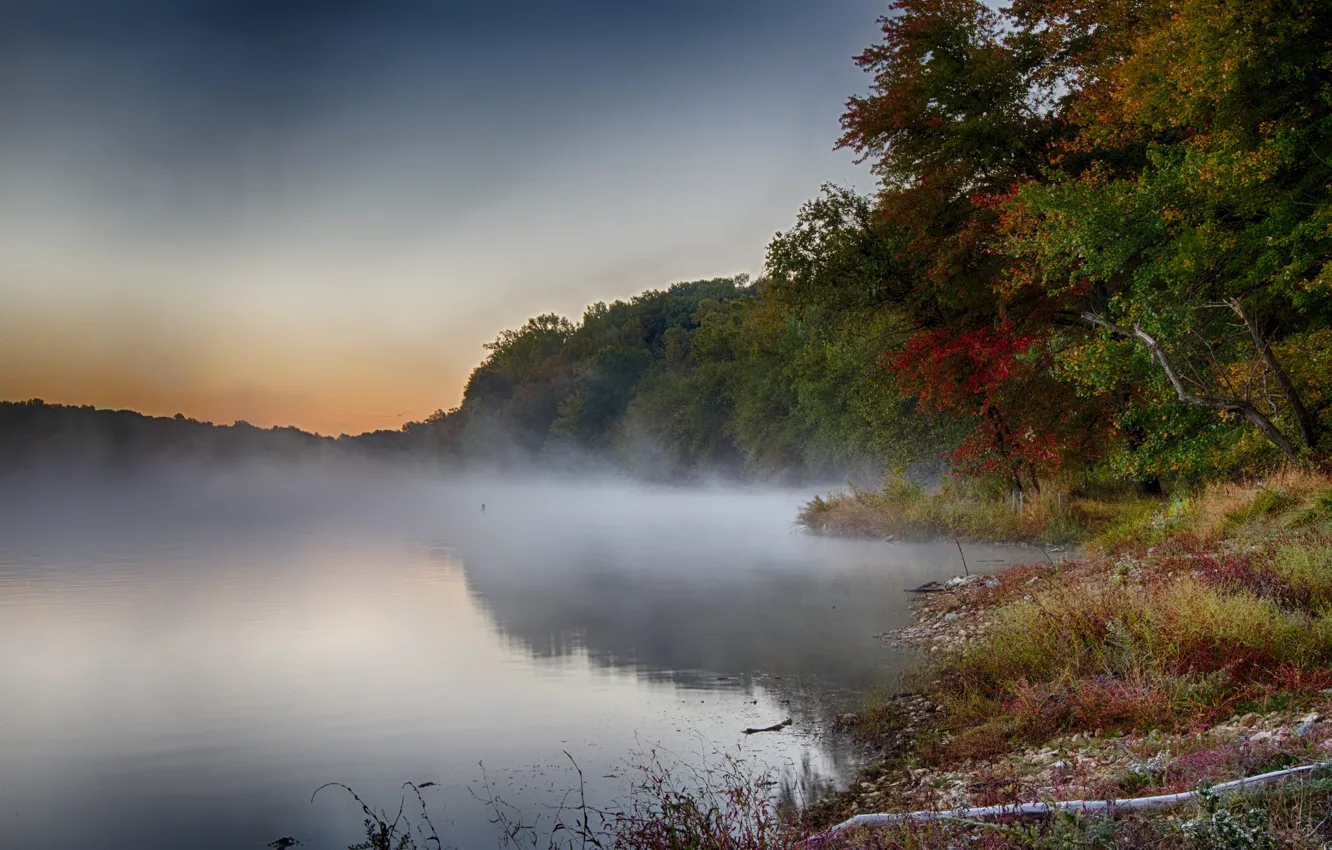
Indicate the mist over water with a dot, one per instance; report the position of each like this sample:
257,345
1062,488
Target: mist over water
187,655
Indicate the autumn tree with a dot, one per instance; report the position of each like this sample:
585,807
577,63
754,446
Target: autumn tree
960,114
1190,216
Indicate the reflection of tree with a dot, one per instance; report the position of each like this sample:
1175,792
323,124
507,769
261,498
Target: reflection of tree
732,618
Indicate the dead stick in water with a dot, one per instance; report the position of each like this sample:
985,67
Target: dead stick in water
964,557
776,727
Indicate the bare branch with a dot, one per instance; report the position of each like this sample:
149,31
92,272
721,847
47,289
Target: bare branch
1221,405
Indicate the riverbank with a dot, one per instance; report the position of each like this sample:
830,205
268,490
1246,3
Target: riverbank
902,510
1194,649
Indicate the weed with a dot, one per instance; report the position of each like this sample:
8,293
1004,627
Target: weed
1217,828
1265,504
396,834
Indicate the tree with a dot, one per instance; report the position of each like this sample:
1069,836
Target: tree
1192,216
958,115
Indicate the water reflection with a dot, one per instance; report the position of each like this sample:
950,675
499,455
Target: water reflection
808,610
184,665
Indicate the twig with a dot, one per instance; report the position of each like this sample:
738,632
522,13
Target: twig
425,815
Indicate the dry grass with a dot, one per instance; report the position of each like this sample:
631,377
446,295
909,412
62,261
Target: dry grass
1266,507
902,510
1128,655
1222,600
1287,500
1232,603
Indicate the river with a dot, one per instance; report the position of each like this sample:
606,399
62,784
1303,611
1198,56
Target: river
186,656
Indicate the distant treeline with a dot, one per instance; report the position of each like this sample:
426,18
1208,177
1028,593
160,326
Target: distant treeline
1101,247
34,433
721,379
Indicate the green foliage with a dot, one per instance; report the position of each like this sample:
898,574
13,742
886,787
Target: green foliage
1191,212
778,378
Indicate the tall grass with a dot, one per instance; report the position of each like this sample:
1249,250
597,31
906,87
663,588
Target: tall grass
1234,606
905,510
1291,499
1109,655
1107,519
723,803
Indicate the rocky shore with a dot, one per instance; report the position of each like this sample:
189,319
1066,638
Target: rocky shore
1087,765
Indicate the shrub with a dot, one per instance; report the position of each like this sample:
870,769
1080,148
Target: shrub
902,509
1104,654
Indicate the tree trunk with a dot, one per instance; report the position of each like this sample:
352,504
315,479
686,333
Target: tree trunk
1307,424
1001,442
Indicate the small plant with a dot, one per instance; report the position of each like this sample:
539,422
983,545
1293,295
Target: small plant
1217,828
1173,516
725,805
1148,772
381,833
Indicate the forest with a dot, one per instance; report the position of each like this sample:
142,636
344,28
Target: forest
1098,250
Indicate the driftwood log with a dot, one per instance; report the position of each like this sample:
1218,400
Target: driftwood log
1161,801
776,727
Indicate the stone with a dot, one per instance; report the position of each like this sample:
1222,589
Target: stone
1248,721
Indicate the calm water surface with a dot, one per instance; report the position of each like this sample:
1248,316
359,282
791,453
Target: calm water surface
185,658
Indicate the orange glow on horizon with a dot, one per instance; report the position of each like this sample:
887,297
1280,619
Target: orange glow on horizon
368,410
341,400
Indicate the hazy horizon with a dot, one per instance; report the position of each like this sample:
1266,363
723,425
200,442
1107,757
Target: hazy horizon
315,214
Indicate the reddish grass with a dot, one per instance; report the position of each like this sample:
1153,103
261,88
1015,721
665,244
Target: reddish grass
1164,641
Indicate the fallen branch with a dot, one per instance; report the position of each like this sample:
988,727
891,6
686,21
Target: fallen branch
1162,801
927,587
776,727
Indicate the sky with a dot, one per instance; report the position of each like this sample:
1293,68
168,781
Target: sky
315,212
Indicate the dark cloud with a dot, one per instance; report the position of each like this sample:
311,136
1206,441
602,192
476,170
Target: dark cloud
183,84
